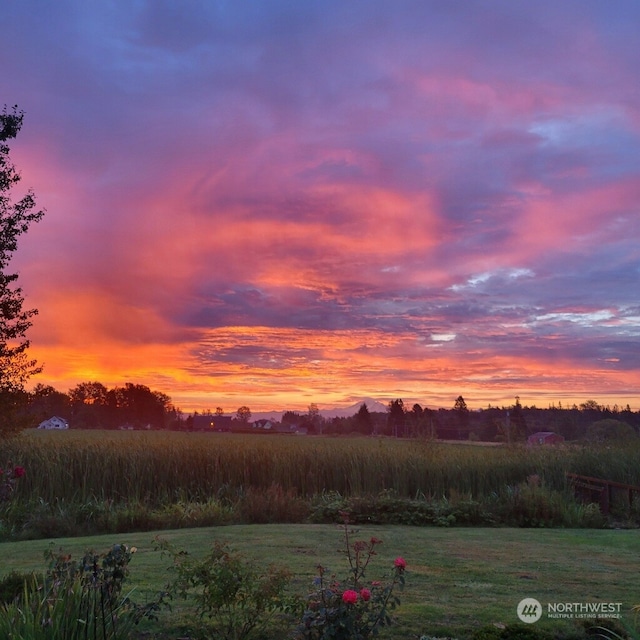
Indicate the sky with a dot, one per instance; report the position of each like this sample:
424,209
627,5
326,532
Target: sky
277,203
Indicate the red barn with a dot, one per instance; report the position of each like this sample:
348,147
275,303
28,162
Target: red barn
545,437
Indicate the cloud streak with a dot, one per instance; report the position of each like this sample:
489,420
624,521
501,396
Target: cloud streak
276,205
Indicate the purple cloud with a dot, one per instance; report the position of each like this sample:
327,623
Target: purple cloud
446,188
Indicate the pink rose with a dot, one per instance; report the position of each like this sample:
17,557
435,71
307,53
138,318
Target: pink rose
400,563
350,596
365,594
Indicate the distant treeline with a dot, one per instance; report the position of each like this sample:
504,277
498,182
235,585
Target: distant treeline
91,405
514,423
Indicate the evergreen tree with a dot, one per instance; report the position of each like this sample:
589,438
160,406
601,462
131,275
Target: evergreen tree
462,418
363,420
396,418
15,217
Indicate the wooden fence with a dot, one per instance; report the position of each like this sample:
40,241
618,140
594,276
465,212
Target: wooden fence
603,491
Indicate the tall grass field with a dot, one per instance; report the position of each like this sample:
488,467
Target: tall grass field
117,480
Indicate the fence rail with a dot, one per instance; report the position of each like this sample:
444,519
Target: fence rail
602,490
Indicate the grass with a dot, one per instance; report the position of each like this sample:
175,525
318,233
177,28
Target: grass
458,579
90,482
166,467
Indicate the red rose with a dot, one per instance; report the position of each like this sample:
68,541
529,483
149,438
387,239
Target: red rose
18,472
365,594
400,563
350,597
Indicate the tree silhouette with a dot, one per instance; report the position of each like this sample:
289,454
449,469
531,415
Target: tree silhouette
362,420
396,418
462,417
15,217
243,414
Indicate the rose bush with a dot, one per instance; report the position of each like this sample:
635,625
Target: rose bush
353,609
8,477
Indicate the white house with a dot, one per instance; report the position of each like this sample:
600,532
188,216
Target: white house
54,423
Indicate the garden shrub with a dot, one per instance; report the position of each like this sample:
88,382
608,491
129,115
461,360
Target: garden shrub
75,600
535,505
353,608
387,508
234,598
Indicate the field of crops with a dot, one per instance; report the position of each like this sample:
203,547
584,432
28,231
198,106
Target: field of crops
161,467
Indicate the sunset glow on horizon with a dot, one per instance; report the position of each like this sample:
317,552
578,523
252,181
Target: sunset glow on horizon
283,204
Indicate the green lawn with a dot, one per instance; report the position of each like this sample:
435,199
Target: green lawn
458,579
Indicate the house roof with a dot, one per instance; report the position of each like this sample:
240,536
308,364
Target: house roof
54,420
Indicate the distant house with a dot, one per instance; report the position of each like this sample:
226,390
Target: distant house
54,423
263,424
545,437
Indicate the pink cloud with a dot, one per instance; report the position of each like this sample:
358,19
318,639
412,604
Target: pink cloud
289,203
